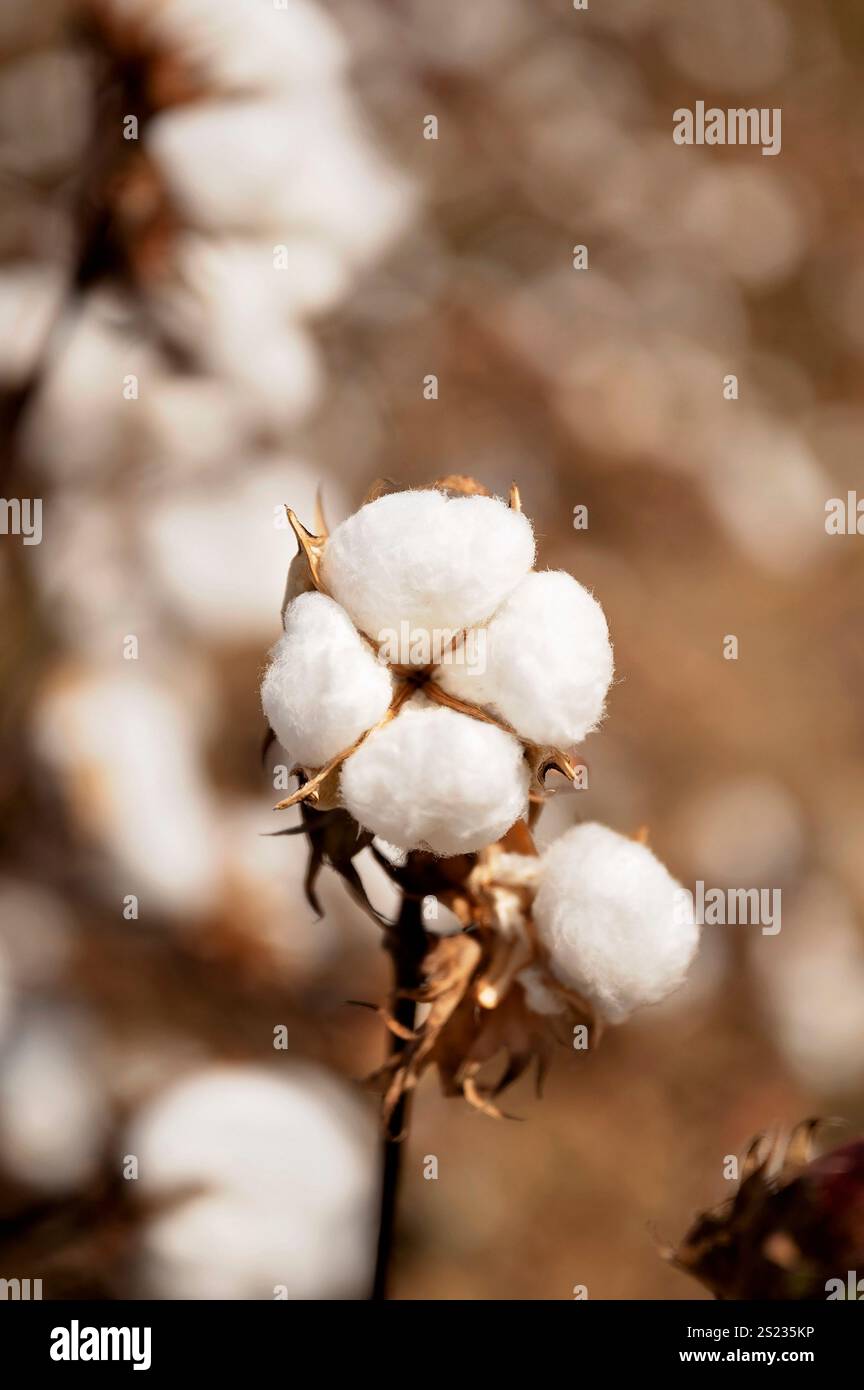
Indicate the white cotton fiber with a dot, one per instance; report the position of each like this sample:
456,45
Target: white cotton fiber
434,779
538,995
543,663
324,686
617,927
436,562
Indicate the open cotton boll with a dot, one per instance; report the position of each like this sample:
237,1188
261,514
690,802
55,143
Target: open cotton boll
435,563
543,663
324,686
616,925
434,779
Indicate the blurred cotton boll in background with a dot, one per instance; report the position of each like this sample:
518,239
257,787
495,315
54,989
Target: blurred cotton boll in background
53,1112
242,44
29,298
83,424
743,831
286,1163
813,988
125,753
188,532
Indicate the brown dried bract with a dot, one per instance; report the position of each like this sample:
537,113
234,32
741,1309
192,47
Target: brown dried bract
794,1223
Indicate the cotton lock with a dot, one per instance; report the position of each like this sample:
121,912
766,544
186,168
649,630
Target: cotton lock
438,562
616,926
547,661
434,779
324,686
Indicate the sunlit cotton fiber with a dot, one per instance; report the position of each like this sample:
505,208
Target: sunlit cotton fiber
546,664
436,562
437,780
615,924
324,686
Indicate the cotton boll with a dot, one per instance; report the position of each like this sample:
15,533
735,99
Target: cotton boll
242,45
125,751
616,925
53,1115
30,295
85,426
188,530
285,1164
546,663
811,987
286,167
324,686
438,563
434,779
223,306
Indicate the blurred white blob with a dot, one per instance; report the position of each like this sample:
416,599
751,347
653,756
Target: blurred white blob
126,753
811,979
243,45
285,177
84,423
745,832
301,165
769,492
34,934
223,306
53,1116
189,532
308,277
29,298
189,426
287,1162
89,574
745,221
736,45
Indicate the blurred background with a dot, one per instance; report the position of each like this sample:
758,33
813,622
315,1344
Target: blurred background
209,311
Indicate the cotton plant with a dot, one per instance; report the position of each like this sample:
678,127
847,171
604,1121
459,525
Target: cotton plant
249,195
427,680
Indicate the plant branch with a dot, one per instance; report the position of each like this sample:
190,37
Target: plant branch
407,946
